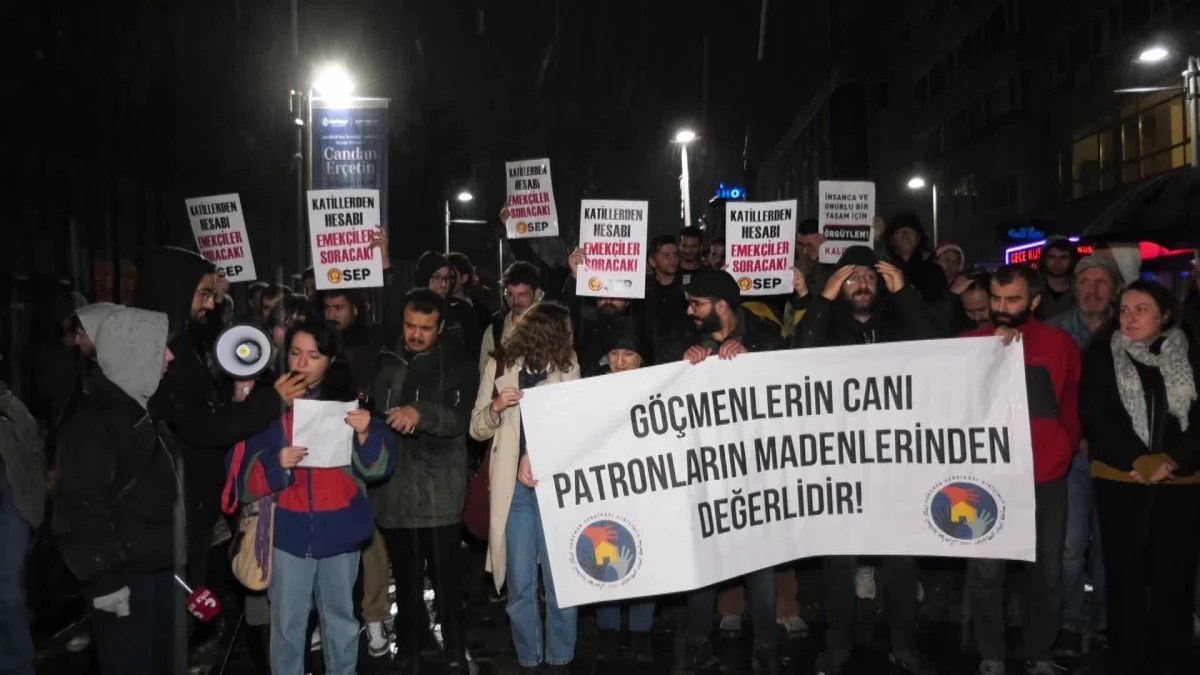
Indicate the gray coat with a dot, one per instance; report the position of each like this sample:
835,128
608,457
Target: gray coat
23,457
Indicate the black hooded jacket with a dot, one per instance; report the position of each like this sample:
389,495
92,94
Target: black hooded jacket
920,271
592,329
898,317
202,417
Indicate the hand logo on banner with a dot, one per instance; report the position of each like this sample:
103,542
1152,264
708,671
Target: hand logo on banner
963,510
606,551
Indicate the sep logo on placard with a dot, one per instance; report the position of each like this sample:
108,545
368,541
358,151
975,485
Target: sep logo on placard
334,276
744,283
595,284
337,276
522,227
964,510
607,551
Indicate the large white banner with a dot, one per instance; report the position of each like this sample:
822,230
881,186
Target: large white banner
613,235
675,477
220,231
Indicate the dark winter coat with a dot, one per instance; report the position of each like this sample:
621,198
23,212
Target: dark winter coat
755,333
899,317
202,417
117,486
430,481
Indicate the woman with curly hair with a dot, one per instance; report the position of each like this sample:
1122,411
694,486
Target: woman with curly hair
537,352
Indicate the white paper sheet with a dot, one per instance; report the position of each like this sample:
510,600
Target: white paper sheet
321,427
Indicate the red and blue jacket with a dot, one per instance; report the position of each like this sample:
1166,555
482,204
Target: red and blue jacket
319,513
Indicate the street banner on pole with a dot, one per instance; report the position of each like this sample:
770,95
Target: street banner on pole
676,477
530,211
847,216
220,231
350,146
613,235
761,245
341,225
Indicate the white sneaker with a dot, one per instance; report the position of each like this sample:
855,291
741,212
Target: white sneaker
377,641
315,643
864,583
79,643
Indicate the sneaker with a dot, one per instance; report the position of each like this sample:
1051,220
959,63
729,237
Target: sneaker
766,662
1069,644
990,668
1043,668
608,646
731,626
79,643
698,657
864,583
912,661
833,661
641,647
315,643
794,625
377,639
495,596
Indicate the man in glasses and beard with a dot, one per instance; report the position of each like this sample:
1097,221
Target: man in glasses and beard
866,301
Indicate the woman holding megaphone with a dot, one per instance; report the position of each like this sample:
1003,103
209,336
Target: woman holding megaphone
321,518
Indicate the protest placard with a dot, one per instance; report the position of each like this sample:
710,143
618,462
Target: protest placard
220,231
530,210
760,245
676,477
612,234
342,224
847,216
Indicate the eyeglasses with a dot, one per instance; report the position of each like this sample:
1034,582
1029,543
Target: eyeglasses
861,277
447,278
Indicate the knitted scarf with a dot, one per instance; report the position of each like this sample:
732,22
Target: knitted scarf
1171,361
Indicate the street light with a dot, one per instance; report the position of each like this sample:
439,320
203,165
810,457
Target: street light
683,137
917,183
462,197
333,82
1153,54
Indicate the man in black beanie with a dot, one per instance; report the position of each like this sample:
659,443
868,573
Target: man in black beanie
435,273
867,301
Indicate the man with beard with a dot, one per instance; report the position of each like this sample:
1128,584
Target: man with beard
1052,385
425,386
974,294
866,301
689,251
1097,284
522,288
204,421
725,329
594,320
1056,267
344,311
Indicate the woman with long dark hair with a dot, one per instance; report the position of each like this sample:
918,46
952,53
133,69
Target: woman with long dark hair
322,517
537,352
1142,425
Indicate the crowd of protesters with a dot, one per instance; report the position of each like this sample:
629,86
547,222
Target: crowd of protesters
153,442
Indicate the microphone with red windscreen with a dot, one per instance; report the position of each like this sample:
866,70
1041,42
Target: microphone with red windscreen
201,603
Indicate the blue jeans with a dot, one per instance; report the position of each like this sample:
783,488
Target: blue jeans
1081,552
641,616
526,545
16,646
295,582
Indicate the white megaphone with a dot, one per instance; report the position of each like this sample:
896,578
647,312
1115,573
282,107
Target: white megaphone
243,351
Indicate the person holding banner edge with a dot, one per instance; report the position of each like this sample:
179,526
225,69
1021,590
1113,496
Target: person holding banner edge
854,309
537,352
725,329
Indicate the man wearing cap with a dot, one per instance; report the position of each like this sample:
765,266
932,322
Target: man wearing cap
1097,282
867,301
725,329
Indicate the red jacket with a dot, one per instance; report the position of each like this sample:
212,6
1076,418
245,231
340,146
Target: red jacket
1052,384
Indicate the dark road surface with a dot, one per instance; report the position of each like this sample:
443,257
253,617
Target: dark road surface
491,651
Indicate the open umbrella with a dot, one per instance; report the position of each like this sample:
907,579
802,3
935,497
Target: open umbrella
1164,210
